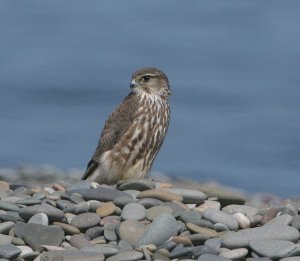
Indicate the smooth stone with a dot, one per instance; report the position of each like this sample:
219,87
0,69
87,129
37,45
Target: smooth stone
6,226
106,209
160,194
210,257
77,209
160,230
154,212
53,213
4,185
136,184
275,249
177,209
9,206
69,229
201,250
103,194
133,193
225,196
284,219
242,220
5,239
9,251
210,233
94,204
110,220
274,231
25,250
198,239
36,235
18,241
295,222
130,255
150,202
269,215
235,254
193,217
39,218
86,220
94,232
122,201
133,211
189,196
208,204
180,251
124,245
246,210
109,232
106,250
131,231
294,258
214,243
29,202
220,227
79,185
79,241
217,216
70,255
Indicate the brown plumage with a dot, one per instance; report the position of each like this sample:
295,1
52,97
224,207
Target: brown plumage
134,132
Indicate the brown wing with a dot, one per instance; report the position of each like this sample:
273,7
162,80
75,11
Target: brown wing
116,125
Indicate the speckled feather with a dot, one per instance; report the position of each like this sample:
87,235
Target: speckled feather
134,132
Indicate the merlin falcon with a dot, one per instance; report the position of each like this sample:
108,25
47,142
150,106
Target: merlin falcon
134,132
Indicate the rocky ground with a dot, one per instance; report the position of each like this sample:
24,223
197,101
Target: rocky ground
54,217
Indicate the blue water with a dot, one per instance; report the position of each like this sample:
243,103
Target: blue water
234,69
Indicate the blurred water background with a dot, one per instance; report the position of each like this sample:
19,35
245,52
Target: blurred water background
233,68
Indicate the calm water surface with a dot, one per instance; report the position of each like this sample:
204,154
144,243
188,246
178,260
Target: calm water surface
233,66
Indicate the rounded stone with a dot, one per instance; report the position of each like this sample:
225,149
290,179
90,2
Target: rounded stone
235,254
69,229
9,251
154,212
210,233
189,196
131,231
6,226
106,209
150,202
160,230
160,194
177,209
9,206
296,222
210,257
275,249
53,213
109,232
136,184
191,217
242,220
246,210
122,201
94,232
79,241
217,216
133,211
105,249
130,255
39,218
85,220
103,194
208,204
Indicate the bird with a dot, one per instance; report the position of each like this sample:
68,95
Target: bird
134,132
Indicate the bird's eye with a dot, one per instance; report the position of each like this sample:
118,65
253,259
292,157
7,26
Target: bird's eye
146,78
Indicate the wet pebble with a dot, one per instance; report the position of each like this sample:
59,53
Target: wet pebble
133,211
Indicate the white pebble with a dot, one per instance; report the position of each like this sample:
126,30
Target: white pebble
242,220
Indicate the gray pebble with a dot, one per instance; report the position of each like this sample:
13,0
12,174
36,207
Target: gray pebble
5,239
79,241
133,211
53,213
124,245
103,194
122,201
130,255
36,235
176,209
220,227
217,216
106,250
85,220
9,251
189,216
274,231
94,232
150,202
198,239
246,210
235,254
78,186
180,251
210,257
189,196
136,184
39,218
296,222
160,230
71,255
29,202
201,250
6,226
275,249
109,232
9,206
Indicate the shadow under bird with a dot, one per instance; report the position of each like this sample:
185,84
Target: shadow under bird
134,132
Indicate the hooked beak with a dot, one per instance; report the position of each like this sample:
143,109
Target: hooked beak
133,84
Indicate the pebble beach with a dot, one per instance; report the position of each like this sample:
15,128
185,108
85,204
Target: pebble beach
60,218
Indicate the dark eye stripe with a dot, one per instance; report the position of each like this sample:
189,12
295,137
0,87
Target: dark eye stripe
146,78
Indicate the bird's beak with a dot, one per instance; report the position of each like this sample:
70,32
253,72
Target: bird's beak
133,84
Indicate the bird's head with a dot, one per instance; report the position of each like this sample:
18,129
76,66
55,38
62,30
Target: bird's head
150,80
